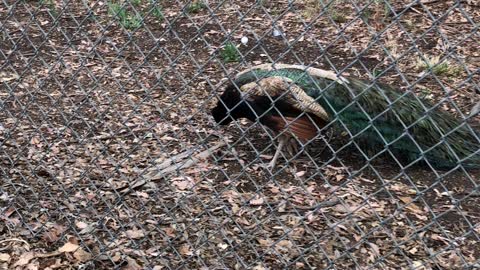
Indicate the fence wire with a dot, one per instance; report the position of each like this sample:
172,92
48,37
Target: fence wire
110,158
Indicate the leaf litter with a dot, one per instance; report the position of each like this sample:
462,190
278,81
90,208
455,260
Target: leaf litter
106,168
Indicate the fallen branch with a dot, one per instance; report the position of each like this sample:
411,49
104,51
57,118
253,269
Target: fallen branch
208,15
172,164
123,134
318,205
189,163
297,207
166,163
411,7
13,240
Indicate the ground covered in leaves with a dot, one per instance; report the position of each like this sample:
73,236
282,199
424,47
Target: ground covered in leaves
105,111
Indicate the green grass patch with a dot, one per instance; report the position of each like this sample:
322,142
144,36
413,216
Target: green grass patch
229,53
313,8
156,10
127,20
338,17
50,4
443,68
196,7
136,2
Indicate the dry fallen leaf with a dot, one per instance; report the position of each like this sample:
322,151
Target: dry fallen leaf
412,207
345,208
5,77
183,183
69,247
265,242
53,233
405,199
169,231
117,257
132,265
299,265
418,265
300,173
222,246
284,246
88,229
257,201
375,248
25,258
274,189
135,233
81,225
35,140
235,208
81,255
186,250
4,257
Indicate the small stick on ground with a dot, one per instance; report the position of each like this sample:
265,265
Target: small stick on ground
177,158
318,205
411,6
13,240
123,134
172,164
190,162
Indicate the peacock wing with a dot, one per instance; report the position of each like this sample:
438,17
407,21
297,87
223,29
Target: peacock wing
284,87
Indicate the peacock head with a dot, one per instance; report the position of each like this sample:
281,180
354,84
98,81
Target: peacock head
230,106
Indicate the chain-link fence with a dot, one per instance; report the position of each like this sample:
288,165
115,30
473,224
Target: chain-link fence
110,157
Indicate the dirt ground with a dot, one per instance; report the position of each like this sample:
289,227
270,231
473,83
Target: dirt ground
93,107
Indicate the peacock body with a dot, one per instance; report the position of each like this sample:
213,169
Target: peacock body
376,116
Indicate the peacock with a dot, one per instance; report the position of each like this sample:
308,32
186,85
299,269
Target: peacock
296,101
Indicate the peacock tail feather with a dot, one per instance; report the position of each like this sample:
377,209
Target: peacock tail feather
378,116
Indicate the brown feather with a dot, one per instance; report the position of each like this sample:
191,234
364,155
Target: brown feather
303,127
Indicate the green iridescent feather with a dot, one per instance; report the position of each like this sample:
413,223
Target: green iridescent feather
376,115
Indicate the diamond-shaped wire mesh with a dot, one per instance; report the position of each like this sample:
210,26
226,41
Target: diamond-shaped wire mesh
110,157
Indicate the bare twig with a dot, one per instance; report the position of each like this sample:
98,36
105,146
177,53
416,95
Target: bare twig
174,159
308,208
188,163
124,133
318,205
14,240
411,6
172,164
